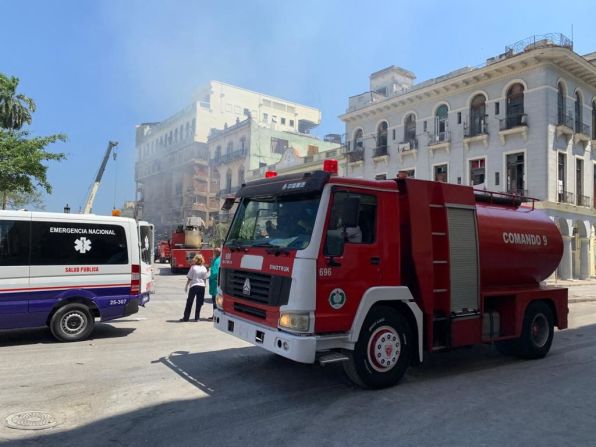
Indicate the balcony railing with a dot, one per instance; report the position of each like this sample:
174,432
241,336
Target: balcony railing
517,191
540,41
584,201
380,151
566,197
356,155
582,128
564,118
439,137
476,130
514,120
408,145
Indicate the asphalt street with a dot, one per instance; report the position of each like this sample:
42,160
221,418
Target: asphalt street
149,380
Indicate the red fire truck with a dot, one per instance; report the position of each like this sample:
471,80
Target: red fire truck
186,242
163,251
318,267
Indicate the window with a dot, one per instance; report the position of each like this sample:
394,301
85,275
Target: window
441,116
477,171
352,220
242,143
561,104
14,242
458,117
265,117
515,173
497,178
497,107
358,143
440,173
410,129
274,119
478,115
578,113
241,176
312,149
68,243
228,107
217,153
278,145
424,127
283,121
230,148
381,177
515,106
393,132
229,181
291,123
237,110
408,172
562,178
382,135
579,181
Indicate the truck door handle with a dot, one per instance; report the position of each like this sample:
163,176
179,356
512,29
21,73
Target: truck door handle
375,260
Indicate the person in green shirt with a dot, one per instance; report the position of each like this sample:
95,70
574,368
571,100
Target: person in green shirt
213,275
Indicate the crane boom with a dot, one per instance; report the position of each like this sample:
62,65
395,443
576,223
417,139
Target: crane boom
95,185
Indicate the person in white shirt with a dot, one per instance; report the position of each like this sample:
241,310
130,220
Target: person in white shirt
195,285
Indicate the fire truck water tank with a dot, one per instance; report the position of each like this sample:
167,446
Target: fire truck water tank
517,246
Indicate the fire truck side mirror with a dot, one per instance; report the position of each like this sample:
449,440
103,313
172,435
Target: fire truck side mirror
334,243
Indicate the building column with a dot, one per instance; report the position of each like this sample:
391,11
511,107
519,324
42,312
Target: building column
584,258
566,265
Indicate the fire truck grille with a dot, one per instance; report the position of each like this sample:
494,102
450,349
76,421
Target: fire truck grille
261,288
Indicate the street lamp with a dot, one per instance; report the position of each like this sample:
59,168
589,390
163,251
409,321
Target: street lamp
67,209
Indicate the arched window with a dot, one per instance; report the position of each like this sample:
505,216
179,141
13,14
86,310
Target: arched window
215,179
515,106
240,175
578,112
478,115
358,141
229,181
410,129
441,123
217,154
561,104
230,148
175,135
243,144
382,136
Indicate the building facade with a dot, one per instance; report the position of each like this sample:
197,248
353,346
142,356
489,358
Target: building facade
523,123
172,169
243,151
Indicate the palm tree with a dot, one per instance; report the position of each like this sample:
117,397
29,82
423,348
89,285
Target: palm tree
15,108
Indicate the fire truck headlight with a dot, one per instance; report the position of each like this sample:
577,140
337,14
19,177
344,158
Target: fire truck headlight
219,299
294,321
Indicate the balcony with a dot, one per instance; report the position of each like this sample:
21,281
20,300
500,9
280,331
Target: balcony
380,151
582,132
566,197
408,147
513,124
234,155
439,140
564,123
584,201
476,134
356,155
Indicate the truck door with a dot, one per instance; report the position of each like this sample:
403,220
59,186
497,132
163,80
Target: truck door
349,262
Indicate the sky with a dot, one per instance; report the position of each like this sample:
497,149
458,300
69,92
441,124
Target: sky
97,68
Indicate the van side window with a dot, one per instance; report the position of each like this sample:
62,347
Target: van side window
68,243
14,242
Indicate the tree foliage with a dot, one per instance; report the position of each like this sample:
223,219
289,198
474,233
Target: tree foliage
22,157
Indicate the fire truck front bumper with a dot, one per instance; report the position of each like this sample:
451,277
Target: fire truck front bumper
295,347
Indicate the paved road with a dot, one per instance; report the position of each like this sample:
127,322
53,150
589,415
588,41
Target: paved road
150,381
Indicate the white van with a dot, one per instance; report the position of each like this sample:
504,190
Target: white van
65,270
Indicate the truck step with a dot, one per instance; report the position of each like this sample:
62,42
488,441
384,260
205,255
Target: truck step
332,357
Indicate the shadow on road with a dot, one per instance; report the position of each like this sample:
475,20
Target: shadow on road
43,335
246,396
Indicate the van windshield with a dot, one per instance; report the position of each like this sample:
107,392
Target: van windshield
278,222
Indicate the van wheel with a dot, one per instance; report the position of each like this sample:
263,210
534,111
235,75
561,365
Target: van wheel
383,351
537,332
72,322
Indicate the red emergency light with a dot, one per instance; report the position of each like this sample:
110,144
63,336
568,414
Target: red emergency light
330,166
270,174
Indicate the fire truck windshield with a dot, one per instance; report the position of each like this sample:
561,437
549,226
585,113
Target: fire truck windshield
278,222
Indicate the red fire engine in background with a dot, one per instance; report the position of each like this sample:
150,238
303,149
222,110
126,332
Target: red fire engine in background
163,252
186,242
374,273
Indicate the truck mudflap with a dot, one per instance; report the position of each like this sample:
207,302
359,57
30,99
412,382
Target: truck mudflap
299,348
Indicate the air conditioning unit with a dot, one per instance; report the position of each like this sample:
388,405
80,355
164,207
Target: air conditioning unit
402,147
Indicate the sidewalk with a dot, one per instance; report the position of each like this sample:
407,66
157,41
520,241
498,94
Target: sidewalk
576,294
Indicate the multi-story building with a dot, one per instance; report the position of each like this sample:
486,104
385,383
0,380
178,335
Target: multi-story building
240,151
523,123
172,166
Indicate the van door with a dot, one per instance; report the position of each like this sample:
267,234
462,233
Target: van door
146,242
14,272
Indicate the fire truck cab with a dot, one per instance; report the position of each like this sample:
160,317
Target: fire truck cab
371,273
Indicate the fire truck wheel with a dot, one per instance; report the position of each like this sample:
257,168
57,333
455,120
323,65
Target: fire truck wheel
537,332
383,351
72,322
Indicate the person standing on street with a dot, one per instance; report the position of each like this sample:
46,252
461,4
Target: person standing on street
195,285
213,275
